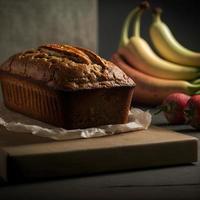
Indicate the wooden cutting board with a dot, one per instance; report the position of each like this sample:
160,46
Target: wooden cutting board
28,157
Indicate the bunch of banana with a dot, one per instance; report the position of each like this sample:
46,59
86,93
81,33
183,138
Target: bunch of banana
155,77
167,46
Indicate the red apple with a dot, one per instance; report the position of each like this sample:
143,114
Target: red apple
173,107
192,111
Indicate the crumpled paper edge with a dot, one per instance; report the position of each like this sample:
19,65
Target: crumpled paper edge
138,120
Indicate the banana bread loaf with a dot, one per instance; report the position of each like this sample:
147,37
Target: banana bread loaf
70,87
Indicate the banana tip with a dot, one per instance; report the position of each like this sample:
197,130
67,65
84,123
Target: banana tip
144,5
157,10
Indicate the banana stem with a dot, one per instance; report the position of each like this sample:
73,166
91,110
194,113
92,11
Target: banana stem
193,89
197,92
157,14
136,26
124,39
137,22
197,81
125,30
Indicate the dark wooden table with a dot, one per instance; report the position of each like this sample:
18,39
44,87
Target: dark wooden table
178,182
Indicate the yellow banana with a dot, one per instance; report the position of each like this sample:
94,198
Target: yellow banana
125,29
144,59
167,46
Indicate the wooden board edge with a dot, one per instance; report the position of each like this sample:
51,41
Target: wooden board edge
100,161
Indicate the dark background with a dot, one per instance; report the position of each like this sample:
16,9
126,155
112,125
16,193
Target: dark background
182,17
26,24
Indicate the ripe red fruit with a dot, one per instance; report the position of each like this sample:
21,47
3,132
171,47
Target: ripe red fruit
173,107
192,111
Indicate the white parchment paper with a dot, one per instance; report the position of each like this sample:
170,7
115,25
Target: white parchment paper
15,122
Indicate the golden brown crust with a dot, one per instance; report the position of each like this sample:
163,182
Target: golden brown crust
66,67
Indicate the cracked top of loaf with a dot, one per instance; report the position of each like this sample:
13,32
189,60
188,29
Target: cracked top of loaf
66,67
